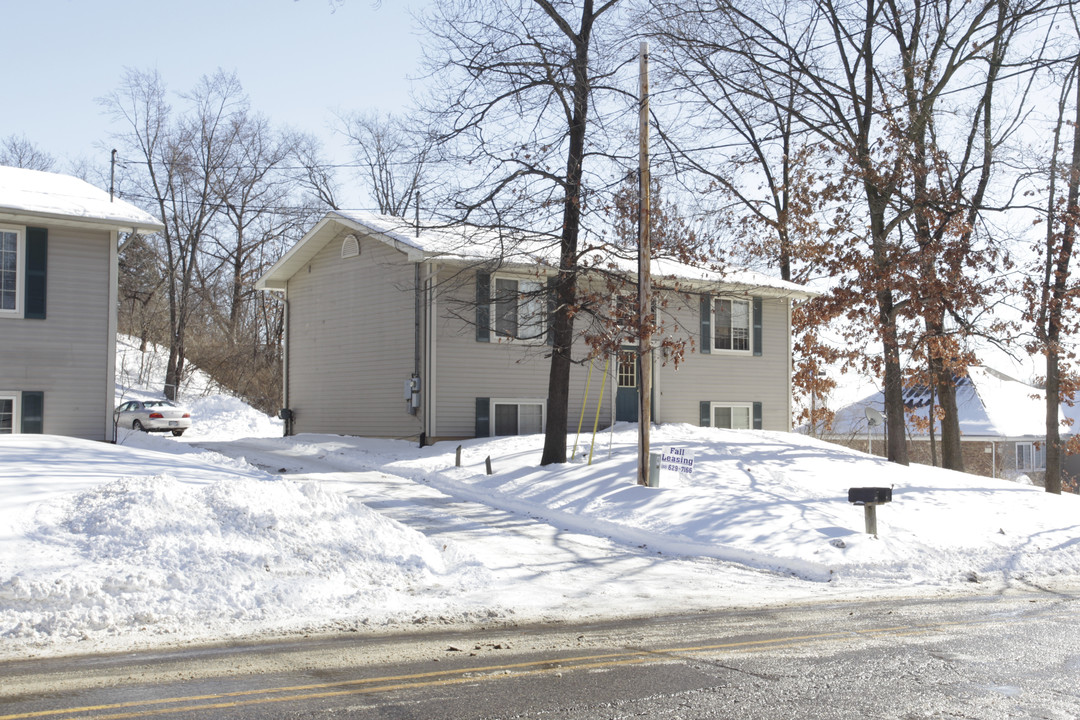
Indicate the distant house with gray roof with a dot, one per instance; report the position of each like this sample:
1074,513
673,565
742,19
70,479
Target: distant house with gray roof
1002,425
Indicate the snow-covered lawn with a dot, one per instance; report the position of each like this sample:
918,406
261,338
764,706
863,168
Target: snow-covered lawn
102,541
158,539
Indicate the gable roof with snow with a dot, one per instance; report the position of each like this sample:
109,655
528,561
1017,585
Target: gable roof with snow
990,403
26,195
467,244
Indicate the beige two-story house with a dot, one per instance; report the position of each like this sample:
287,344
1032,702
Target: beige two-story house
438,334
58,293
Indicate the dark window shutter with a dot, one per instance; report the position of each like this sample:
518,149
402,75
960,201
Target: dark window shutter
33,412
704,411
483,307
37,259
706,324
757,326
483,417
757,416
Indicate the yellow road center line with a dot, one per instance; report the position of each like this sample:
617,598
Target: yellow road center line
466,675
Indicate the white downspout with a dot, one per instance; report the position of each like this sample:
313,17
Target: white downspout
430,420
790,366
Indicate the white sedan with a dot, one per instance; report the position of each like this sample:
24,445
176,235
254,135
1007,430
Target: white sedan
153,416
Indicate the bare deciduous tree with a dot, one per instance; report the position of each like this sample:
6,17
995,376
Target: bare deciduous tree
519,122
18,151
1052,289
393,158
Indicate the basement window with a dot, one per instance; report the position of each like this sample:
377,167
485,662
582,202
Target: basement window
7,415
732,417
517,417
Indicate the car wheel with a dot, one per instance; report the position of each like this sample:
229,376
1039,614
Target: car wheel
138,426
177,433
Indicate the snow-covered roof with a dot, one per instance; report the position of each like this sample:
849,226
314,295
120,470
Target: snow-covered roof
470,244
37,194
991,405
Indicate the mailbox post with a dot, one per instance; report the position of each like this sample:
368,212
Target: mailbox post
870,498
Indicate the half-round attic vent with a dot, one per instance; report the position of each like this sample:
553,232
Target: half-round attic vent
350,247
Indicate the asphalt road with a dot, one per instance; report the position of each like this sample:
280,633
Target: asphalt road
1013,655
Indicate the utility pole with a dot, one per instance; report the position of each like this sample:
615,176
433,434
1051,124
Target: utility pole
644,278
112,176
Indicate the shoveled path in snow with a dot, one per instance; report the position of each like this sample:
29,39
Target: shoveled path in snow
541,571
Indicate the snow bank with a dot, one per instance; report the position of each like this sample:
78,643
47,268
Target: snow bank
204,556
775,501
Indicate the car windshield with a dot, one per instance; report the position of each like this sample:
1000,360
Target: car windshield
158,403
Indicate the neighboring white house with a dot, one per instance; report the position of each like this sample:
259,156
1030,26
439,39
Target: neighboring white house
437,335
1002,425
58,296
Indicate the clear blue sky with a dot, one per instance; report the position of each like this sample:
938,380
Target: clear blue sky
300,62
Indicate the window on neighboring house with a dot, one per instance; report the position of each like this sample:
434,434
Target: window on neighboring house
11,260
731,324
7,415
1030,456
738,416
518,309
517,417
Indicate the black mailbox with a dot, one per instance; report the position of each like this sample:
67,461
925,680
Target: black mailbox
285,414
869,495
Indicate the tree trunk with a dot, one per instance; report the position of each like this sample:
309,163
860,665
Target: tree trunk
896,434
566,287
1053,434
1059,291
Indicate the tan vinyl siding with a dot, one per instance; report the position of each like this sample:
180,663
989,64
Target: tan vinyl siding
351,330
727,377
66,354
467,369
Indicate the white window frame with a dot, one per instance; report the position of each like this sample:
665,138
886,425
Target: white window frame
539,298
542,402
749,407
20,271
16,417
1037,455
714,326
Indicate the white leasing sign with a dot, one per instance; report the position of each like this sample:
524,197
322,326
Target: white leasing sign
677,459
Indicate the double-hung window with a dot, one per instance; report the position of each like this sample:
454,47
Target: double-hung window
733,416
1030,456
8,413
517,417
11,271
731,324
518,309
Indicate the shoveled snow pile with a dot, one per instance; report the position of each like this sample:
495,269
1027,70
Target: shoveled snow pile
196,547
